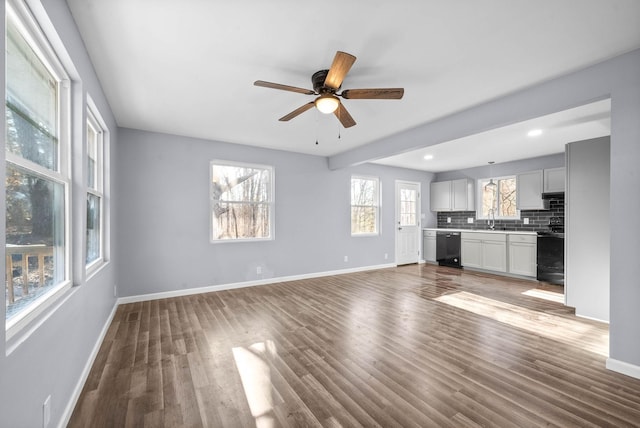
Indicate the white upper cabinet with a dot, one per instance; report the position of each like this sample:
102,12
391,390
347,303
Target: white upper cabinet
462,195
529,191
440,197
554,179
456,195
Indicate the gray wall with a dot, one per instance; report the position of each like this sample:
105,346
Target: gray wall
587,228
506,168
164,216
49,357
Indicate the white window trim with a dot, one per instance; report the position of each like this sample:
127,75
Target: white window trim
95,120
377,205
271,203
19,13
479,191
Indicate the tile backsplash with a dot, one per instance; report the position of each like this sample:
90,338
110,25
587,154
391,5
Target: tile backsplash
538,219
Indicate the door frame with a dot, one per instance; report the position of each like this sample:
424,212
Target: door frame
396,221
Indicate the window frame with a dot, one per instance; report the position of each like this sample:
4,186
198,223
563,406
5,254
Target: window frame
270,203
27,26
376,204
95,121
480,183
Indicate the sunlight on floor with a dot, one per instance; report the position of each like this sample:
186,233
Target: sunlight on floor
551,296
561,329
255,375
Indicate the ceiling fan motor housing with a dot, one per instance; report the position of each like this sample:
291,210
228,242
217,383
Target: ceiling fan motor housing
318,79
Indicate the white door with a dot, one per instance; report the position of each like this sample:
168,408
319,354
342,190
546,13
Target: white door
407,222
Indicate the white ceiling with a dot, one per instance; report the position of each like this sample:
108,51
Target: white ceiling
512,142
187,67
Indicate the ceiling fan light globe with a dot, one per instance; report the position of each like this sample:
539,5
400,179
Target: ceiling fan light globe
327,103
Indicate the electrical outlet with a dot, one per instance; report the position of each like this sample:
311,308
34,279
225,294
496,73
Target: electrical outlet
346,259
259,270
46,412
115,290
470,220
525,220
448,219
386,256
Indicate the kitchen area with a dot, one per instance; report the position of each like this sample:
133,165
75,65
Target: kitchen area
529,247
558,232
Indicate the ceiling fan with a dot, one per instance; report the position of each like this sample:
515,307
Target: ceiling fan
326,84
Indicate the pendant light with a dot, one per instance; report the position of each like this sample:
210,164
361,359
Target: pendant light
491,185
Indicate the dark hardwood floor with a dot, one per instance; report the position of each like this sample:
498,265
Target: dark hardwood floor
413,346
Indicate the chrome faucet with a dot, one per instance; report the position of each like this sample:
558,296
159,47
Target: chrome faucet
491,223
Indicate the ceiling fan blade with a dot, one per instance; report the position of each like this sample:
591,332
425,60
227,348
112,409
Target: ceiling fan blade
344,117
297,111
373,94
283,87
341,65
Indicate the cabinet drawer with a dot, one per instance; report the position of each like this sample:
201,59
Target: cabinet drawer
429,233
494,237
530,239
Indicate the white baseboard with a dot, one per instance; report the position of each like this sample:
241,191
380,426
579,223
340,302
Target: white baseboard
71,404
624,368
231,286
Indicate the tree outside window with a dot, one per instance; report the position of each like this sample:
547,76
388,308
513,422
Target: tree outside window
241,201
365,201
502,198
37,178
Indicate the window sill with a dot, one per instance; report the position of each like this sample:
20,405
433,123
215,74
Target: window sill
20,327
95,267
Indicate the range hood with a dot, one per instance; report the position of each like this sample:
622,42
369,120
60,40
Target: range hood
553,195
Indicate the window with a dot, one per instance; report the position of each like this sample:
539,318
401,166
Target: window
95,189
241,202
408,207
365,205
502,198
37,177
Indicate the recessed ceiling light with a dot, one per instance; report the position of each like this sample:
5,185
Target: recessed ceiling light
534,133
428,157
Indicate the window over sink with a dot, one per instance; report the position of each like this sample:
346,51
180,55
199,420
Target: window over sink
501,198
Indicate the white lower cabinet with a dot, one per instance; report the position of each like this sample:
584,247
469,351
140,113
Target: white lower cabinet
470,251
429,244
522,254
484,251
494,254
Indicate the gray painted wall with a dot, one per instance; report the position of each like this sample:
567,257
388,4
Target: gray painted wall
587,228
506,168
164,216
49,357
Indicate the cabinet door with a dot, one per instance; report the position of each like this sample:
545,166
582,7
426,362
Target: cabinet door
522,258
494,256
529,191
440,197
462,195
554,179
471,252
430,248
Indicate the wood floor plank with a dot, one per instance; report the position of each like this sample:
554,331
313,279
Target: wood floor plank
416,345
